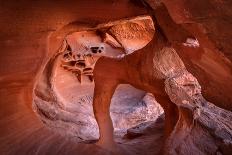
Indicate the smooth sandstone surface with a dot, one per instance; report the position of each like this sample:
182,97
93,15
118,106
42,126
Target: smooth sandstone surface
27,29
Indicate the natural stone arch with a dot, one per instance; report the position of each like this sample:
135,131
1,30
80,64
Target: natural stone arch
49,101
187,111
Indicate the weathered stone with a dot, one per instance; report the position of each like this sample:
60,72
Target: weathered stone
199,129
32,33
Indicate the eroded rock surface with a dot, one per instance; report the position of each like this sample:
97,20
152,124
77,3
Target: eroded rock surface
29,27
202,128
129,34
162,63
71,84
207,22
81,50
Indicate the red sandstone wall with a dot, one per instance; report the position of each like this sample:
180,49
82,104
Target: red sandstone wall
24,29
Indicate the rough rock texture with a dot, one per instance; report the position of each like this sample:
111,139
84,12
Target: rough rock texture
27,27
133,35
202,128
159,62
67,108
210,23
81,50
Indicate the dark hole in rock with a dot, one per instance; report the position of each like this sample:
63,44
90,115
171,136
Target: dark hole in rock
80,64
94,49
69,48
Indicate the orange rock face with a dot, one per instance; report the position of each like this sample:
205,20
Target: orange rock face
211,62
186,69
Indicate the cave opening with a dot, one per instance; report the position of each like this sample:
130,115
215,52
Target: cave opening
68,79
64,60
63,93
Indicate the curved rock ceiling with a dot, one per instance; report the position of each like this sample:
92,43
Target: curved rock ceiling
193,59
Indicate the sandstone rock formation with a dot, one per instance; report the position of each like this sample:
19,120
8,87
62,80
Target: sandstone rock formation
196,33
70,98
202,128
163,64
211,62
81,50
